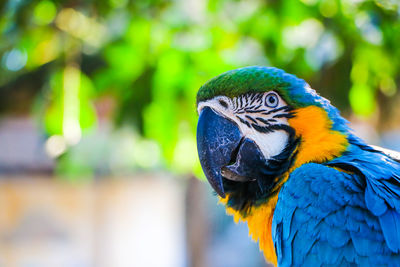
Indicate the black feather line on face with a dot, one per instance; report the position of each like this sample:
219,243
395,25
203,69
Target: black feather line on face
284,108
250,118
267,127
266,122
262,129
254,111
241,101
243,121
258,107
285,115
244,195
248,103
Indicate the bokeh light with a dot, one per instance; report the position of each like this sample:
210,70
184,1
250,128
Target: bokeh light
44,12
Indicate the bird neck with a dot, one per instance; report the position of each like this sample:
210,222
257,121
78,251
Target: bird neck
259,222
319,143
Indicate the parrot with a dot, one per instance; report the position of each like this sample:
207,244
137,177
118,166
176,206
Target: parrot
282,159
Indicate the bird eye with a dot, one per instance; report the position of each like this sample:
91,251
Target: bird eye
223,103
271,100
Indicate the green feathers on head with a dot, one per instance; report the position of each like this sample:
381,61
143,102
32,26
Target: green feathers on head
255,79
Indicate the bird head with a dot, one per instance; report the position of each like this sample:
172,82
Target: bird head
255,125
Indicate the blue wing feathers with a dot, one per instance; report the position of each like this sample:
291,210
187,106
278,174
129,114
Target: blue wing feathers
302,241
327,217
390,222
326,253
348,253
375,203
337,218
382,191
343,263
312,260
372,221
287,221
337,236
363,245
277,235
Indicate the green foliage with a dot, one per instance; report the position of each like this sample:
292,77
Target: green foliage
151,56
72,97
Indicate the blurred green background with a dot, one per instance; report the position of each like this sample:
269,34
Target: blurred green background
95,90
139,64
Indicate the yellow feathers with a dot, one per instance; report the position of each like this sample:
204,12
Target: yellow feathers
318,143
259,222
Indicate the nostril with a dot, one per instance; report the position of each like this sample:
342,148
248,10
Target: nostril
223,103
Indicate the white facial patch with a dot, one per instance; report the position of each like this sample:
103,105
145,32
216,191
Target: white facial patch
250,112
270,144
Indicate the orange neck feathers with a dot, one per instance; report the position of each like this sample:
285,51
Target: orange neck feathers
318,143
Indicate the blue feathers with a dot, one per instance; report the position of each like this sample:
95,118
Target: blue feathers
390,223
381,178
341,213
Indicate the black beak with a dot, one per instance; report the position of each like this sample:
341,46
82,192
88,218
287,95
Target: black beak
226,154
217,140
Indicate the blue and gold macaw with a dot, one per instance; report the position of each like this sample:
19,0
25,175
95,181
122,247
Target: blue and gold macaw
282,159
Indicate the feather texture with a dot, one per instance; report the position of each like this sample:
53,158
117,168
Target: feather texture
333,217
336,202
